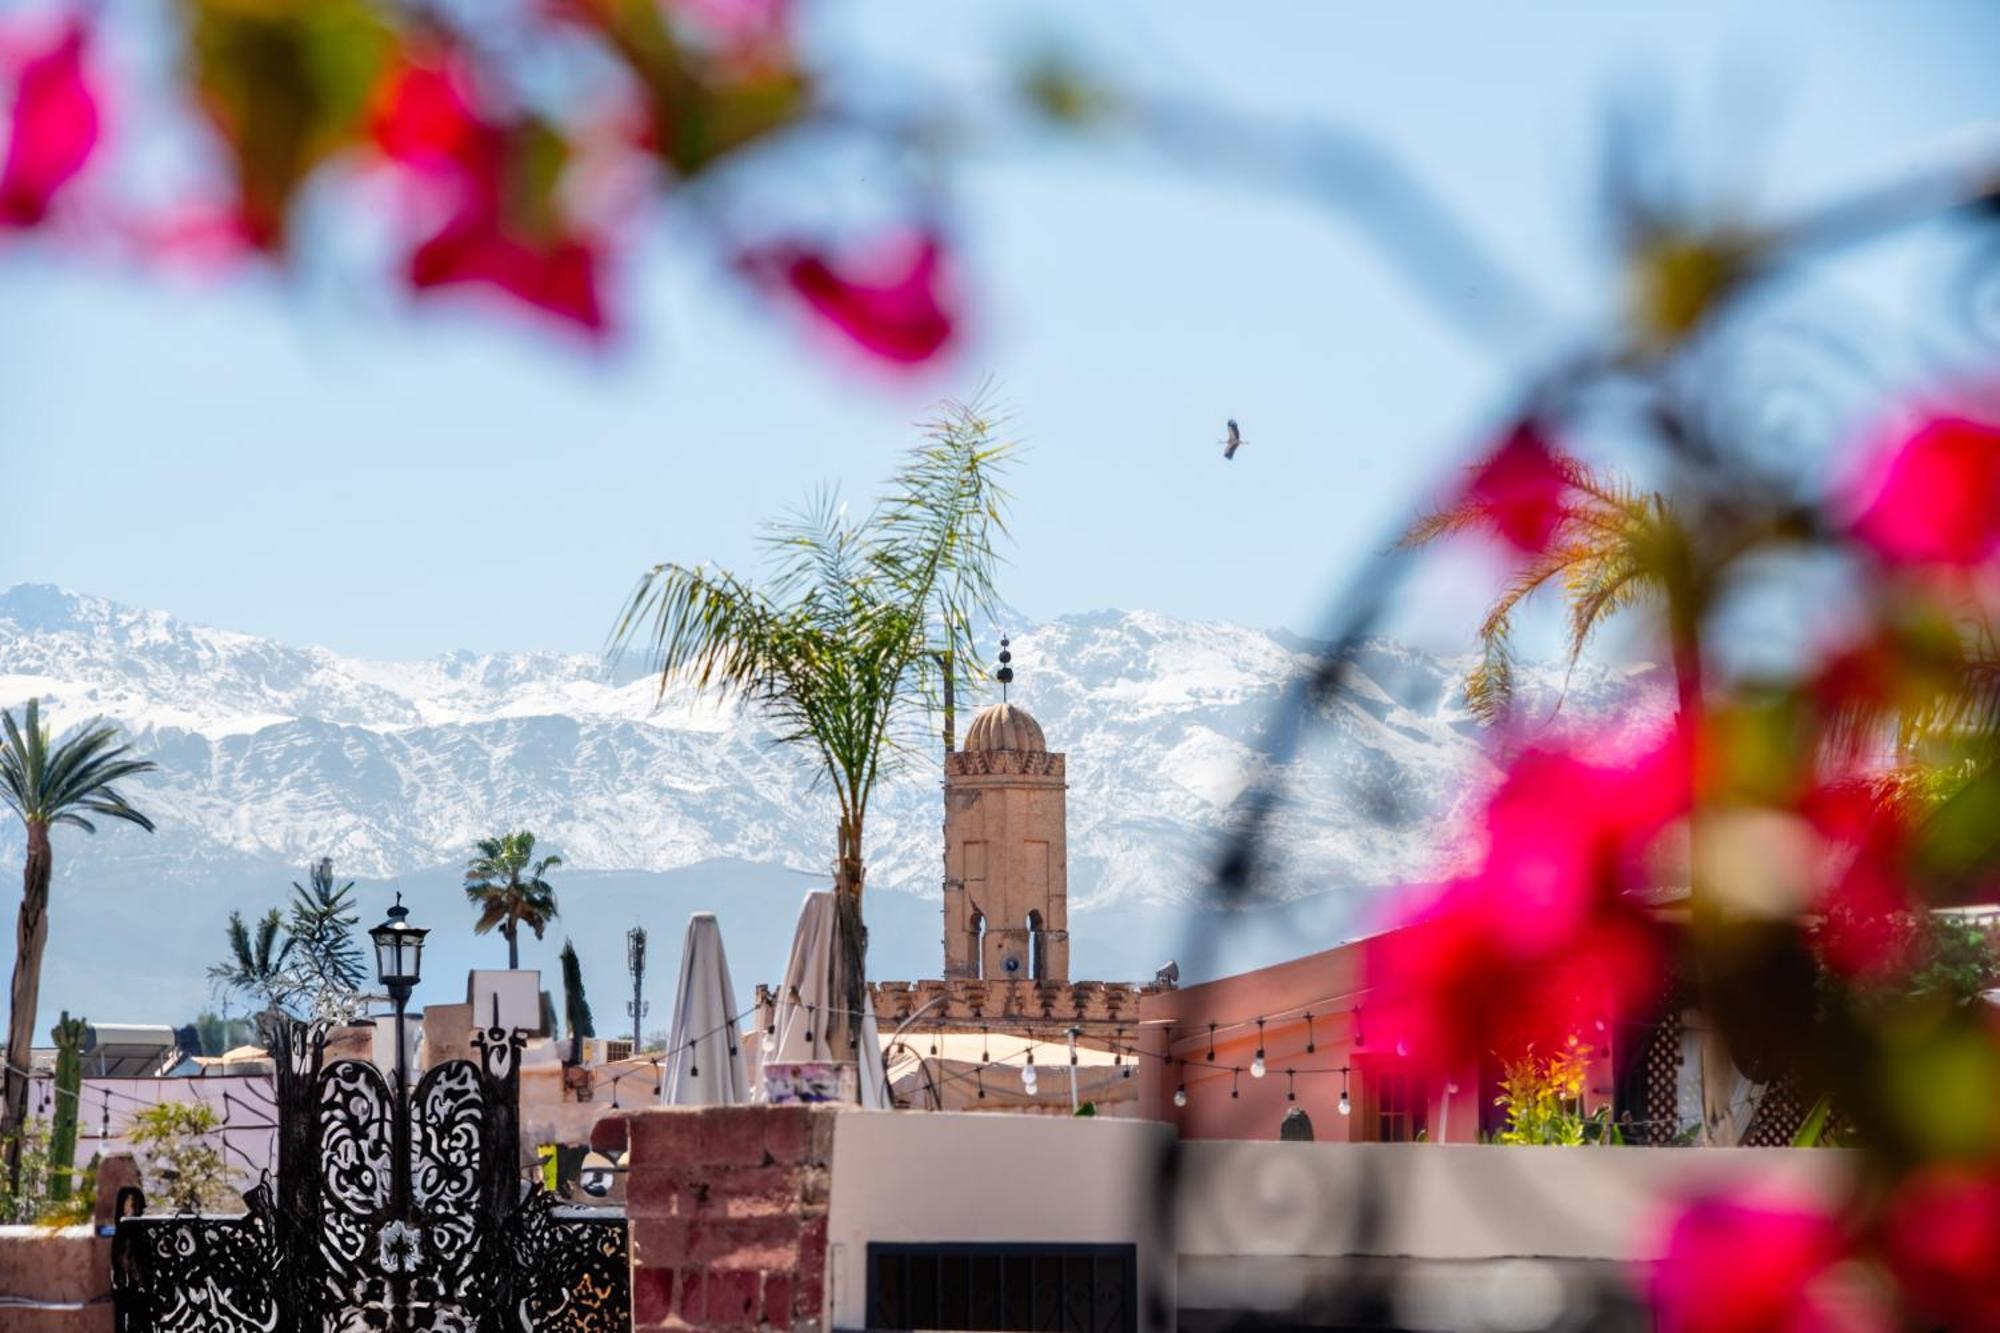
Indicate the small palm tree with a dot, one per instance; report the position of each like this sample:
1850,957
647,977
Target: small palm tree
256,962
319,929
504,881
1613,546
47,785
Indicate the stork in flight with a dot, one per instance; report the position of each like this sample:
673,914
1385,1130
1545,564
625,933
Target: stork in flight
1234,442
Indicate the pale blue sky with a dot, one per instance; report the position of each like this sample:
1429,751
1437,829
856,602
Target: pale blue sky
305,460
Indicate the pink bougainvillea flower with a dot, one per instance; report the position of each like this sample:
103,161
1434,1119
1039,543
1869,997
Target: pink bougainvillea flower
53,131
1544,940
557,275
1941,1236
1520,488
1865,905
889,299
1934,498
1735,1266
422,117
504,225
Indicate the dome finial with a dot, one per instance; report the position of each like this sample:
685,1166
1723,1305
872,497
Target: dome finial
1006,673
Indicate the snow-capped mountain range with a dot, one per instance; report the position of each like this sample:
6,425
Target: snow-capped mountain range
272,755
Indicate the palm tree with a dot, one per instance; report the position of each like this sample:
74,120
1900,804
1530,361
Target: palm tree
46,786
504,880
319,927
1613,546
256,961
860,622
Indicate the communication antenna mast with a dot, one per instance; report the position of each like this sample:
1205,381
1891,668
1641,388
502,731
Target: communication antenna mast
635,959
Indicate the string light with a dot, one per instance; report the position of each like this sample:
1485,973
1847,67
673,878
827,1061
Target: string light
1211,1043
1311,1045
1360,1037
812,1021
1291,1095
1028,1076
1235,1084
985,1046
1257,1062
979,1076
1180,1093
1346,1107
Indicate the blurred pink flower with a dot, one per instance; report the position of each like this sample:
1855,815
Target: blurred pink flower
1934,499
1941,1236
1736,1266
1521,488
1865,906
557,274
1544,940
54,128
889,300
425,122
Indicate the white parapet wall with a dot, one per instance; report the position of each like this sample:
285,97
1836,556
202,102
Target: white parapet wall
1449,1235
972,1179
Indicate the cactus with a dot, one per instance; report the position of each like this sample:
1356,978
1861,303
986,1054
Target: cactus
68,1034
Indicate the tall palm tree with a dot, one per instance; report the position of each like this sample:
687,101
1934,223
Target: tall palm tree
47,785
860,622
504,880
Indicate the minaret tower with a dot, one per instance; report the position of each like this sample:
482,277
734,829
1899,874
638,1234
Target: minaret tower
1006,852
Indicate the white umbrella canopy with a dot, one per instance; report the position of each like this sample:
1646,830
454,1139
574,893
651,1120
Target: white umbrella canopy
704,1064
812,1018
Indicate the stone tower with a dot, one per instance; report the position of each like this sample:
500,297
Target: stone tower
1006,854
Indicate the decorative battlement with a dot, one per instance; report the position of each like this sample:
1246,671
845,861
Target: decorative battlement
999,1002
1003,764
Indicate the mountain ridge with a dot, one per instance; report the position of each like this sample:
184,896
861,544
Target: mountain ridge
272,755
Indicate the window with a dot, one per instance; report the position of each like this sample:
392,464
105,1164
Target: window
1399,1105
1038,949
1089,1288
978,943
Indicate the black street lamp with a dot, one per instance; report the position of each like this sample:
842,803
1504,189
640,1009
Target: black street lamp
399,964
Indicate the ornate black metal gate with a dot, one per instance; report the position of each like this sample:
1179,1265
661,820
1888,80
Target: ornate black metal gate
390,1211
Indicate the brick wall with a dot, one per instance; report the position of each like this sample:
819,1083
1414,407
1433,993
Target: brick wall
728,1216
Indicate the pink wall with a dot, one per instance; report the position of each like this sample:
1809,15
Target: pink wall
245,1104
1331,986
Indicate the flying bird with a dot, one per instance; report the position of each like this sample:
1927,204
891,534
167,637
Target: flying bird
1234,442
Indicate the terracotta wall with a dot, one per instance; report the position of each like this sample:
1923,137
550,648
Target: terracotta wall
1330,985
727,1207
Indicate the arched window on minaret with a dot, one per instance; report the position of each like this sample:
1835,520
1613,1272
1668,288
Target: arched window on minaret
1038,954
978,929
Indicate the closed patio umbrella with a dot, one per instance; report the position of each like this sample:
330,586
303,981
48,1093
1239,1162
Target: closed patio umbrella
704,1062
813,1015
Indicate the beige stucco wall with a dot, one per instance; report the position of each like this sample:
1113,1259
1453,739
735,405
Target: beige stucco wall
956,1178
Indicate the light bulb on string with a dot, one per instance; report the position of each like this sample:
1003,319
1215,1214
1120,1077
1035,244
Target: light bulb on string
1028,1076
1211,1043
1311,1045
985,1049
1291,1092
1180,1095
1235,1084
1346,1107
979,1077
771,1039
1257,1062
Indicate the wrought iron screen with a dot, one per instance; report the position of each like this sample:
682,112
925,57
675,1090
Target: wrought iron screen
393,1209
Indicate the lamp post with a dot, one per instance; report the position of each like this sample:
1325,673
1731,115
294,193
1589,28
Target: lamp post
399,958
